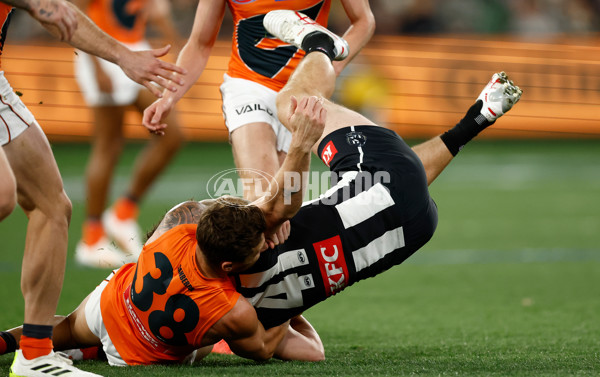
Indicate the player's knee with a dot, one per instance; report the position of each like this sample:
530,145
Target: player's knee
8,199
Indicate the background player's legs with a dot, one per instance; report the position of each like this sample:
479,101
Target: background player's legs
41,195
158,153
253,160
8,187
107,145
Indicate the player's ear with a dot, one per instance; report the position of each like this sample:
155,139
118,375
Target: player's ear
227,266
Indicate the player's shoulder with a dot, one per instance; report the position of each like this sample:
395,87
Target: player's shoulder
188,212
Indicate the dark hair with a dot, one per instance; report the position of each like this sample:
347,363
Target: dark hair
229,229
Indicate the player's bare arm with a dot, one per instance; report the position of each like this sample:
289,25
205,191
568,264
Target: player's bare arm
54,14
362,27
307,121
193,58
143,67
245,334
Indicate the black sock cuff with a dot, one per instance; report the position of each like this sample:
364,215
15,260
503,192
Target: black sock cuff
37,331
9,339
470,126
319,41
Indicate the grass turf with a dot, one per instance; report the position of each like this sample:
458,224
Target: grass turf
509,285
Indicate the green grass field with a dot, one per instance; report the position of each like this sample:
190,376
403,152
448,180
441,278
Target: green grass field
509,285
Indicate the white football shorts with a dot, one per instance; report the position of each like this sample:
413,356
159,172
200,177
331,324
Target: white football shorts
14,115
93,317
125,91
245,102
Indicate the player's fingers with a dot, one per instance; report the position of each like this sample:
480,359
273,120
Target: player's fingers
158,52
175,77
169,85
152,88
168,69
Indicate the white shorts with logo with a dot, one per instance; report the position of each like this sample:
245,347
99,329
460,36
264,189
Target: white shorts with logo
93,317
245,102
14,115
125,91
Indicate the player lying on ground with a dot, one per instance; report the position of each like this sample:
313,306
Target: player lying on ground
375,217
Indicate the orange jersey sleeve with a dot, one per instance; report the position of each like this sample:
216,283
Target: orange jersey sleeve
124,20
5,13
258,56
159,309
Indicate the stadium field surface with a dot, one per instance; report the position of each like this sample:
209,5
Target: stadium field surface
508,286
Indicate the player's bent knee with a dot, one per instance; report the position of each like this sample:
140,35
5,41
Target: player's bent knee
7,205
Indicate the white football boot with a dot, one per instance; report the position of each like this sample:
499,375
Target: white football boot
53,364
102,254
291,27
499,96
126,233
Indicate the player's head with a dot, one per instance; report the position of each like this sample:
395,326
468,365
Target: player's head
231,232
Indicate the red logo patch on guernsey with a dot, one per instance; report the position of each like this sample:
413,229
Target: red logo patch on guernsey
332,264
328,153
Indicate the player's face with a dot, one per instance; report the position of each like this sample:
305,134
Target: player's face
253,257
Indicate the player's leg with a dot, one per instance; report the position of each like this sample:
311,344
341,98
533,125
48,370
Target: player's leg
497,98
8,187
259,142
120,221
41,195
254,148
95,248
302,342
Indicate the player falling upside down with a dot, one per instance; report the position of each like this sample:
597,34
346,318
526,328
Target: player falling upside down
151,313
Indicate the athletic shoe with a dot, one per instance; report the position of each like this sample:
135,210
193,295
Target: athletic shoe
102,254
53,364
126,233
291,27
221,347
499,96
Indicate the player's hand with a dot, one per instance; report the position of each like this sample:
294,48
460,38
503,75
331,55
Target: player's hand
307,119
155,113
280,235
146,69
58,14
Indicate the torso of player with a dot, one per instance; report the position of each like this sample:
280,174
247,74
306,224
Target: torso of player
159,309
124,20
256,55
5,13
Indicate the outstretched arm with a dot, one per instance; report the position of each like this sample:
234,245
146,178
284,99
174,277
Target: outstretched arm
68,23
193,58
362,27
55,14
284,199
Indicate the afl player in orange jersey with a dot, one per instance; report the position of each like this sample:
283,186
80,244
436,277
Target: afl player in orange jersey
259,67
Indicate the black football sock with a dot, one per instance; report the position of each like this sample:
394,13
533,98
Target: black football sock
468,127
8,343
319,41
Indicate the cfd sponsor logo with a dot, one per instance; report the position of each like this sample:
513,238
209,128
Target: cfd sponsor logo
332,264
328,153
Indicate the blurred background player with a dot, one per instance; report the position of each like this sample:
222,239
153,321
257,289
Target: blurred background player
259,67
34,181
109,93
